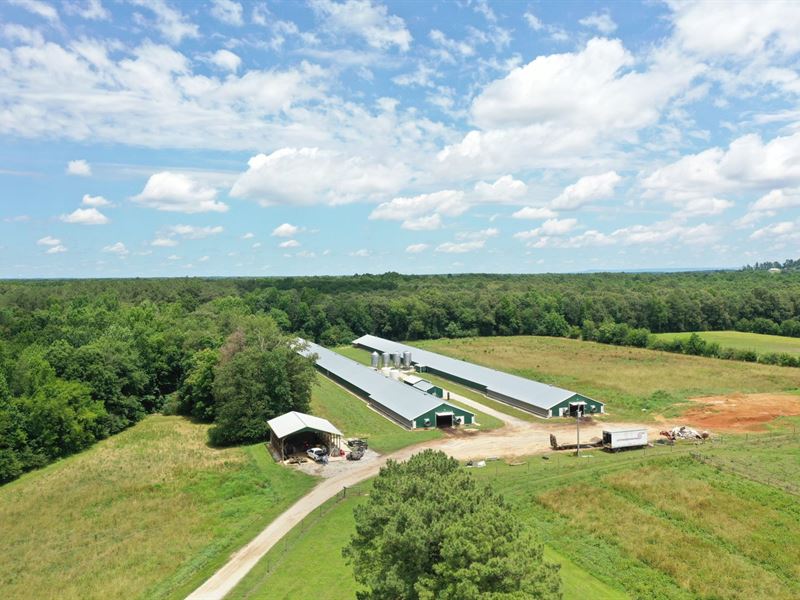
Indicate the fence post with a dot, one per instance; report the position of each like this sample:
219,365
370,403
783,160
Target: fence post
344,492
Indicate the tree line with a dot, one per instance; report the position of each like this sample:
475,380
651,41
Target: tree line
84,359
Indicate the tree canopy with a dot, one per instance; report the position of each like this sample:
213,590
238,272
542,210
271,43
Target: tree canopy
259,376
430,532
145,345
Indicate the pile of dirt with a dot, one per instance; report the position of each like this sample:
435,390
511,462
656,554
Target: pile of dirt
741,412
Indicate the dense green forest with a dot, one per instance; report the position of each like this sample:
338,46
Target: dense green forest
84,359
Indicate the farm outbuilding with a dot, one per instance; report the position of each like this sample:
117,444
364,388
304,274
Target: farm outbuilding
424,385
296,431
405,404
541,399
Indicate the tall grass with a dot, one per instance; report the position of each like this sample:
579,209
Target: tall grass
627,379
148,513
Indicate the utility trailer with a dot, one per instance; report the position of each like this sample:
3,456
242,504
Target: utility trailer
618,439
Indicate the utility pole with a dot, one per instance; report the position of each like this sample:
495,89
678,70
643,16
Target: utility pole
578,430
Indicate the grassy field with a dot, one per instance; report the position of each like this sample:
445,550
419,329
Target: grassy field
743,341
633,382
714,521
149,513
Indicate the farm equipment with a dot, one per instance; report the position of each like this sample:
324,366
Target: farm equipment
354,443
684,433
556,446
356,453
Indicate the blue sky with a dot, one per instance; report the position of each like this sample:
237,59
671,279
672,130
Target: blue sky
165,138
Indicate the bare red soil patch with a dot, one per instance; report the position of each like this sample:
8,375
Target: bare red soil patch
741,412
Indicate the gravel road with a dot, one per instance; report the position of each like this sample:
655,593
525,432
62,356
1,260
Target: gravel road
516,438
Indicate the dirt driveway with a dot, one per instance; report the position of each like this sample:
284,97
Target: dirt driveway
517,438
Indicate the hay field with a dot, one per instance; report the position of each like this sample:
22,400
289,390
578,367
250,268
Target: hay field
633,382
148,513
740,340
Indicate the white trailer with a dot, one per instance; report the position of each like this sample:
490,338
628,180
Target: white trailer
617,439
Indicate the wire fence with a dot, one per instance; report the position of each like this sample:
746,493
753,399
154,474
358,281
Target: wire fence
548,468
280,552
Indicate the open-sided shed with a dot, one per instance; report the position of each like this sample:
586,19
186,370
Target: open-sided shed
295,429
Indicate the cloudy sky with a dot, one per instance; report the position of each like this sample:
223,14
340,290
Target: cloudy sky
224,137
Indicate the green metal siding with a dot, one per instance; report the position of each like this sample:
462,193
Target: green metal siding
590,404
469,418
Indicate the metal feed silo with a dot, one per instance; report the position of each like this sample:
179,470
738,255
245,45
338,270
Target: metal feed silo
407,359
376,360
398,360
387,362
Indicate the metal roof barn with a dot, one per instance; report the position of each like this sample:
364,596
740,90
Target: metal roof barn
538,398
402,403
293,423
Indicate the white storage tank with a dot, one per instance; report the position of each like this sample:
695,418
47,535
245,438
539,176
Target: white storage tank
375,360
407,359
387,362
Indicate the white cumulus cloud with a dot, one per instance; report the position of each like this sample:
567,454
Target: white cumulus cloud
177,192
505,189
79,167
227,11
308,176
85,216
587,189
95,201
226,60
417,248
286,230
365,19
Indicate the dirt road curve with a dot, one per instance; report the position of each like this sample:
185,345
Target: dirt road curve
517,438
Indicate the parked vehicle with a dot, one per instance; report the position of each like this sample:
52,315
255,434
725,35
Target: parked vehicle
317,454
618,439
356,454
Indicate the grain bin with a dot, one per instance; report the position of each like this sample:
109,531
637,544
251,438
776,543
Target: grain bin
407,359
387,362
375,360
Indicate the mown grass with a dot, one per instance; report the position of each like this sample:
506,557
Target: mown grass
308,563
633,382
655,524
356,419
149,513
740,340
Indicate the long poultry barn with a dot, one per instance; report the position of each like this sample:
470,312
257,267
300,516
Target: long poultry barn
404,404
538,398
